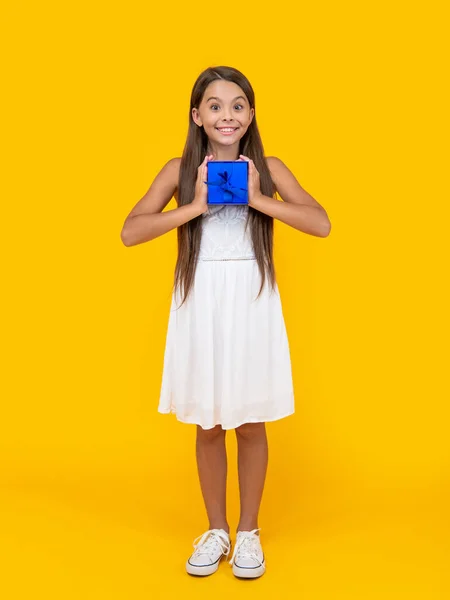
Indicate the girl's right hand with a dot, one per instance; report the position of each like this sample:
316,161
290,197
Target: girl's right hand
201,188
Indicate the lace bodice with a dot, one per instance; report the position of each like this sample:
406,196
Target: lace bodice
223,234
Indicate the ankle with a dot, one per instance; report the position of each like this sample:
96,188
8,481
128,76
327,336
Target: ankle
220,526
246,527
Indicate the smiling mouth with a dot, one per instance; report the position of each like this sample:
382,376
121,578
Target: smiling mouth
227,130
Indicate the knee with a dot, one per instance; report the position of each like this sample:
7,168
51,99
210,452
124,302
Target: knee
210,435
251,431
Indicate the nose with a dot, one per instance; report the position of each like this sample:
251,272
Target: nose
227,116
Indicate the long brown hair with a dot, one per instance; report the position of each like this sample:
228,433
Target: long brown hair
261,225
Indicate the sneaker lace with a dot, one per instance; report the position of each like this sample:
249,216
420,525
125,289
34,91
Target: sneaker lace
247,546
209,541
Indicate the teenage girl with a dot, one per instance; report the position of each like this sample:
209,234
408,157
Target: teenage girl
227,362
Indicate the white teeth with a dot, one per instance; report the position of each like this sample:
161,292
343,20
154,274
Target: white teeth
227,129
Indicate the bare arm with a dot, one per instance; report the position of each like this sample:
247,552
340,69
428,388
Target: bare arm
298,209
146,220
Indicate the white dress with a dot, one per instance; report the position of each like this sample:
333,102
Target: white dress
227,358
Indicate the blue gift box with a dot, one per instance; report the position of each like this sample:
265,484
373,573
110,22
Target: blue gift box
227,182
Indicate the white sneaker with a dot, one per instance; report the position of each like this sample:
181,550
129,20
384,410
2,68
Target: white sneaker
213,545
248,557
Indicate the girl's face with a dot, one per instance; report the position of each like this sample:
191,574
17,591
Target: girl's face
224,106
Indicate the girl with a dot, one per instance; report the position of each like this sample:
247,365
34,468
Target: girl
226,363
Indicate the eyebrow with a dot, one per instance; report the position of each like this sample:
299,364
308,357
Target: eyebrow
216,98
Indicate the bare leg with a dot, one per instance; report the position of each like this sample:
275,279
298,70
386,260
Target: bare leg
253,457
212,469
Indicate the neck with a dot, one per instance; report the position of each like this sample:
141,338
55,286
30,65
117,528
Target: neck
223,152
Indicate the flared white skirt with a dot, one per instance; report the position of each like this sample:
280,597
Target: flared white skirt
227,358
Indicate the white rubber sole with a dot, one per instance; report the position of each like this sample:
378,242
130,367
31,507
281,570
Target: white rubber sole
203,570
249,572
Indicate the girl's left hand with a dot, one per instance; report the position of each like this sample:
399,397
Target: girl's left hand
254,186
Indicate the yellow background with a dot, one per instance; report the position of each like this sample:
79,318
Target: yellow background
100,496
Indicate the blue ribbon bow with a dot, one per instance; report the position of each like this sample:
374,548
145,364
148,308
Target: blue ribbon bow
228,189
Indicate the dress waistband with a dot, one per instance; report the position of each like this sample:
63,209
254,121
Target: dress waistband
242,258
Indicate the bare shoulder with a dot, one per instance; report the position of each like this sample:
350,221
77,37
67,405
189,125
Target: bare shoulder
176,162
169,171
174,165
162,189
270,160
275,166
286,184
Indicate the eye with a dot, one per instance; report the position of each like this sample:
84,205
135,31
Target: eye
212,105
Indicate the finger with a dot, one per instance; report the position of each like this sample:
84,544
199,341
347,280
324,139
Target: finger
244,157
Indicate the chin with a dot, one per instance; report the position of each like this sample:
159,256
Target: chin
226,141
